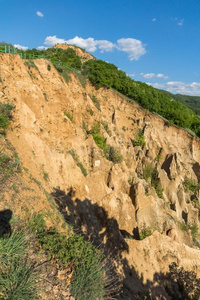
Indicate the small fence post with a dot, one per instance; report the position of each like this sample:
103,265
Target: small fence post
5,49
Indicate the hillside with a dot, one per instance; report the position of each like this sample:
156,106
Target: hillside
93,162
193,102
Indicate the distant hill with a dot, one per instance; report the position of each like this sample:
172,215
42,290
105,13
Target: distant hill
193,102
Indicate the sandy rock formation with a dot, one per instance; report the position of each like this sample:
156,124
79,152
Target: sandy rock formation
79,52
113,203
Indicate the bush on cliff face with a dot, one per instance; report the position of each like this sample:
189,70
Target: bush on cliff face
139,139
150,173
5,116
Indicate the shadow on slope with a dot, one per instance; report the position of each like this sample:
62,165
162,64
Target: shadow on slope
92,221
5,217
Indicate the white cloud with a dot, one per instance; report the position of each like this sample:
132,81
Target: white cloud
154,19
132,75
153,75
90,44
20,47
180,23
52,40
42,48
148,75
179,87
39,14
160,75
105,45
133,47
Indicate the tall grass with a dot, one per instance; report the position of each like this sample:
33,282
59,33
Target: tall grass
18,278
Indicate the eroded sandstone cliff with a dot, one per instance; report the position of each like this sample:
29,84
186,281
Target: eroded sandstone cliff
115,204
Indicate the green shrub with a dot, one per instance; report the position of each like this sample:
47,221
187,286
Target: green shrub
5,116
67,114
140,139
95,129
150,173
145,232
4,122
96,102
100,141
91,112
194,230
49,67
190,185
18,278
112,154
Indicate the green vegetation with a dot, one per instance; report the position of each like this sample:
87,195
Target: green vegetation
145,232
140,139
192,227
112,154
78,162
192,102
95,129
67,56
190,185
19,279
150,173
64,71
100,141
158,158
89,279
30,64
5,116
104,74
91,112
105,126
8,165
96,102
67,114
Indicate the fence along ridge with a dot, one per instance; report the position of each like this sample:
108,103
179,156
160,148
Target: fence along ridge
13,50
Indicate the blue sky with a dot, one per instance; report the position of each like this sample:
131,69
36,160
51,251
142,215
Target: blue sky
157,42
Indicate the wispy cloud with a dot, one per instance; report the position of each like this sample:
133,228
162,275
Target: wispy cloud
179,87
39,14
132,75
153,75
134,48
154,19
180,23
20,47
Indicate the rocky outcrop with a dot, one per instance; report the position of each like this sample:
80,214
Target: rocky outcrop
79,52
